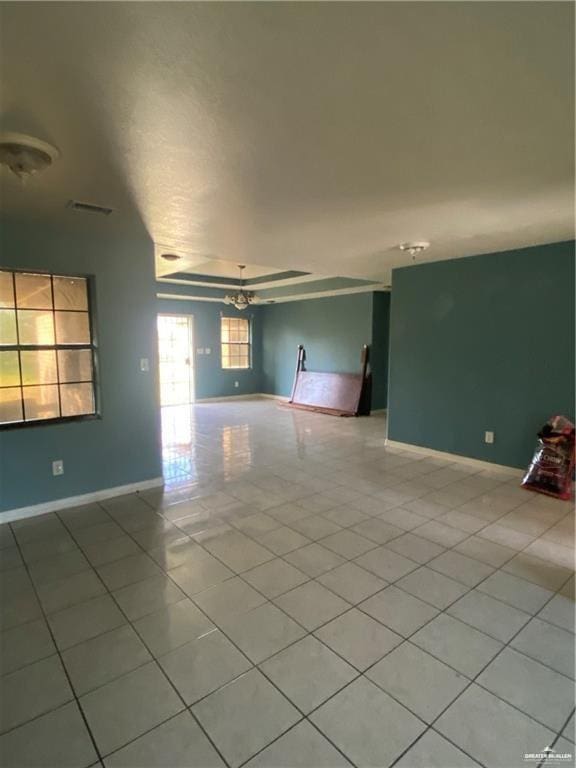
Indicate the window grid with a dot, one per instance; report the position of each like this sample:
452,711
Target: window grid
68,410
236,344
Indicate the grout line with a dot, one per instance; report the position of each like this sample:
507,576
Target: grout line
239,575
63,666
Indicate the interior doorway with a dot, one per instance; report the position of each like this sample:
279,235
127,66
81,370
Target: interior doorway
176,355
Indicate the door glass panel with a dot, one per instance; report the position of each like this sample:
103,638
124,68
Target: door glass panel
75,364
9,369
41,403
8,326
10,405
77,399
176,358
6,290
72,328
33,291
70,293
39,367
35,327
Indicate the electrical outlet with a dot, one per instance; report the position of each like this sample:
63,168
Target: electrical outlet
57,467
489,437
144,364
236,384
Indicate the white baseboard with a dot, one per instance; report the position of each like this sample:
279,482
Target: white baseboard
225,398
457,458
268,396
253,396
76,501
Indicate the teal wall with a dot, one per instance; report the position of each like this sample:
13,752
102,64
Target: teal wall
210,380
379,349
124,445
332,329
482,343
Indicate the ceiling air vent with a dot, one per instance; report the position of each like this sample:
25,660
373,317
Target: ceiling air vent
77,205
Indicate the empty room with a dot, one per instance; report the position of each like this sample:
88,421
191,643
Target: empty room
287,384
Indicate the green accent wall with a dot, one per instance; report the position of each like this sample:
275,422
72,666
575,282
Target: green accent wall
210,380
482,343
123,446
379,349
332,329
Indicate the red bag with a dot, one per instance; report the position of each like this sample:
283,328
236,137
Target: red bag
552,465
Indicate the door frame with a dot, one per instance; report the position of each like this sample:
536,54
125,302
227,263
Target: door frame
192,378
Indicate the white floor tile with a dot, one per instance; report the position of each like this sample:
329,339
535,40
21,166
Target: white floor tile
308,673
358,638
203,665
129,706
420,682
245,716
367,725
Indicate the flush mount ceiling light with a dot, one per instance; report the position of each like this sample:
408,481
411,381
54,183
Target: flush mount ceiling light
241,299
414,248
170,256
25,155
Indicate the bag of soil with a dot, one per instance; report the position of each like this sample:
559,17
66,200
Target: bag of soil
552,465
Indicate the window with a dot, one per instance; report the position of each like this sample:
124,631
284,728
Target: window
46,348
235,332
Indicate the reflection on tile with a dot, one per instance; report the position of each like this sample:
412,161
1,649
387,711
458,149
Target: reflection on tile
317,515
172,626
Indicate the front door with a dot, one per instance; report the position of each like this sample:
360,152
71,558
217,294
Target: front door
176,353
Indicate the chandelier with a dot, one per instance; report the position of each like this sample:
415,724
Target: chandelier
241,299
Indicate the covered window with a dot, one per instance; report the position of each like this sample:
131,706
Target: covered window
236,343
46,348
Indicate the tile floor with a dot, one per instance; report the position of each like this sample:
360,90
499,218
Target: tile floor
297,595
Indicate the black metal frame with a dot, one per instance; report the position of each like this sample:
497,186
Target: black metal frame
92,346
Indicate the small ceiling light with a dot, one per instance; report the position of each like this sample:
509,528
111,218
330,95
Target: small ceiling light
241,299
414,249
25,155
171,256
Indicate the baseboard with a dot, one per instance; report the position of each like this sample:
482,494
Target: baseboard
455,457
76,501
268,396
253,396
378,410
225,398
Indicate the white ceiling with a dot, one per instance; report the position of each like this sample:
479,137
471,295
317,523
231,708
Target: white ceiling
307,136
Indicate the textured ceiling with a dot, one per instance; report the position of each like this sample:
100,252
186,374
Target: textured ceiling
304,136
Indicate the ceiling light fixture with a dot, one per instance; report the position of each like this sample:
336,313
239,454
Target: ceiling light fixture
241,299
171,256
414,248
25,155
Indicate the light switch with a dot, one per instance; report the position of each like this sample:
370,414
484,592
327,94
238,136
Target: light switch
200,351
144,364
208,350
